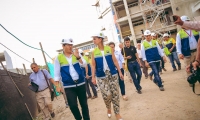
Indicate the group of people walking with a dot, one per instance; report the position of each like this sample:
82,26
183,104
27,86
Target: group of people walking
73,69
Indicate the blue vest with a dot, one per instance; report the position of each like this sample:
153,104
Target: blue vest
99,61
185,45
151,52
65,74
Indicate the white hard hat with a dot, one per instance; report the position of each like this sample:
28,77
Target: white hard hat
147,32
67,41
153,34
80,51
100,34
166,35
185,18
86,53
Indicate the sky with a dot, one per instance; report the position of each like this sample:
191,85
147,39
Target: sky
45,21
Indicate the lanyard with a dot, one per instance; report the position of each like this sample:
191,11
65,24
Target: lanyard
189,34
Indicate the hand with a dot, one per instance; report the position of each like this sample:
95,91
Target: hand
87,77
146,64
194,64
58,89
181,56
29,84
141,65
121,76
94,80
178,20
164,59
170,50
129,57
76,53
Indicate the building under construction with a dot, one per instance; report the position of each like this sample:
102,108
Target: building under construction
133,17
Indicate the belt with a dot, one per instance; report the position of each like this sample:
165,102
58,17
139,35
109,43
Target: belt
193,50
132,61
42,90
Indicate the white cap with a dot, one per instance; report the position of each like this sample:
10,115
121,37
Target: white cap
86,53
166,35
80,51
153,34
147,32
67,41
100,34
185,18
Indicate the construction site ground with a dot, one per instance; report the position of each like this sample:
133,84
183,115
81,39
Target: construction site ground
177,102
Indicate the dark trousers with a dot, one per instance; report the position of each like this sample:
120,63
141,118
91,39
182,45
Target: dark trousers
155,66
136,73
72,95
162,63
121,83
174,57
87,83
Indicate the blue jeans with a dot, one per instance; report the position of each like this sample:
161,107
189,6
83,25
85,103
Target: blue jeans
134,69
173,57
155,67
121,83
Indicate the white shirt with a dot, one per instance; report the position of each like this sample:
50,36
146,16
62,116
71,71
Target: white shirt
72,71
143,51
119,58
192,42
105,64
139,53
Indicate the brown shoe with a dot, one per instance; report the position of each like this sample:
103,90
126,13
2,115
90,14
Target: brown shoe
52,114
179,67
164,69
94,97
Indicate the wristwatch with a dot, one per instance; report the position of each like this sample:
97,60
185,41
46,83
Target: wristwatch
78,58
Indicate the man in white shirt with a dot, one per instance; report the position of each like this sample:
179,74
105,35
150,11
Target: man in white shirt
120,60
144,68
68,68
152,55
186,43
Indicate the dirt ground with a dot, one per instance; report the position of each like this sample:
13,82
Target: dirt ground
177,102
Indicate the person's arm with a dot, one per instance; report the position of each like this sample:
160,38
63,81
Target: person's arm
178,46
116,65
161,52
86,72
143,53
93,69
174,45
192,25
57,76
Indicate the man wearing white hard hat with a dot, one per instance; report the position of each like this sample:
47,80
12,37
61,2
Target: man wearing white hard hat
152,55
193,25
170,43
186,43
88,76
68,69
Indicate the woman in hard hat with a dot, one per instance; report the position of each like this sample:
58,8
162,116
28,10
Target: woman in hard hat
104,65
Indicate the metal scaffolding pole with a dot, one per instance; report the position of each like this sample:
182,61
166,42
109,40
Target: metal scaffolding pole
130,22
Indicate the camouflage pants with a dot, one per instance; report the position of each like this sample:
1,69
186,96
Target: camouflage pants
109,87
